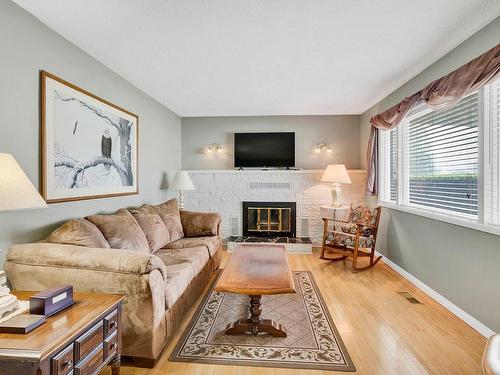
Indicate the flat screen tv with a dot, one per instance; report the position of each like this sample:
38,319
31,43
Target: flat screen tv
260,150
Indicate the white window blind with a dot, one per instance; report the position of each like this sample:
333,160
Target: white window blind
492,156
441,160
388,156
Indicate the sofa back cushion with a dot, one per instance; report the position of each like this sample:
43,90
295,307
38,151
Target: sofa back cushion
152,225
169,213
79,232
121,231
199,224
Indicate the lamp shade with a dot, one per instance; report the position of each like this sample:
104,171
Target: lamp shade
336,173
182,181
16,190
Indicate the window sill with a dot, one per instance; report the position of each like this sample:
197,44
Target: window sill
447,218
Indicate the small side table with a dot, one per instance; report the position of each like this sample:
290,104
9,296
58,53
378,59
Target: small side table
79,340
331,213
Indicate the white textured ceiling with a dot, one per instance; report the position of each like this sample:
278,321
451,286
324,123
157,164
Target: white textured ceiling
266,57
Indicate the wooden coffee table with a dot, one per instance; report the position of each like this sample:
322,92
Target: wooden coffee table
257,270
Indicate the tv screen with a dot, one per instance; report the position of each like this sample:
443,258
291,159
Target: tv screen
254,150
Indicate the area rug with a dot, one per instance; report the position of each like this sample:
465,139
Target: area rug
313,341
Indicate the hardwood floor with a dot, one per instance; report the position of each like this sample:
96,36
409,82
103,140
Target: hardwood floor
383,332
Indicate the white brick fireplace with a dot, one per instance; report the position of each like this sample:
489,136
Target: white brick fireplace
224,191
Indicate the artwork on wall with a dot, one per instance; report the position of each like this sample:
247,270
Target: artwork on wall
89,145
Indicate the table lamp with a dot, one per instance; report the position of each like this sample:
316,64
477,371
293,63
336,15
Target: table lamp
336,173
182,182
16,193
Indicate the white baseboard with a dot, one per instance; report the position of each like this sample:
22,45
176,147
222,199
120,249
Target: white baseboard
447,304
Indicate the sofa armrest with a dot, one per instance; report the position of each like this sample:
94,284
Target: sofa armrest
199,224
69,256
138,276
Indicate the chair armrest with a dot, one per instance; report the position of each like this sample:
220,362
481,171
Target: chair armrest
366,225
199,224
69,256
336,220
491,356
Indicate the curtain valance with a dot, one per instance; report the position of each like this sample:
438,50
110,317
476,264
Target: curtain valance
440,94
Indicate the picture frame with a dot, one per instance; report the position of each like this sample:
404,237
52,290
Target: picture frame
89,146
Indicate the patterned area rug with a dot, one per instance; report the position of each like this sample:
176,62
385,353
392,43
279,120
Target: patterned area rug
313,342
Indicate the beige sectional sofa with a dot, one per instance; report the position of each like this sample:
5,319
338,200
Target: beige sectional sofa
159,257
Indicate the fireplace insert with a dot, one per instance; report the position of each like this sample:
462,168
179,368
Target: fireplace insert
269,219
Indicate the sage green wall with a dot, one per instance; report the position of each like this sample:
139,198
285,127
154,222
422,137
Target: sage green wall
461,264
27,46
341,132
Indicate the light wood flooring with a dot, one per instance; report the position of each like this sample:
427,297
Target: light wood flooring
383,332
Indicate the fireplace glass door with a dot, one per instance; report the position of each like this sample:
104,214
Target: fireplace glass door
269,219
261,219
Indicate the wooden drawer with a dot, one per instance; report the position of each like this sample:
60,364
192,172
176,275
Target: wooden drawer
110,323
91,363
111,346
62,363
88,341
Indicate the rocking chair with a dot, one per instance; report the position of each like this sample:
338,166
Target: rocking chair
352,238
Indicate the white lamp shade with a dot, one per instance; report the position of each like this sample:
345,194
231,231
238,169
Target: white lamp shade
16,190
182,181
336,173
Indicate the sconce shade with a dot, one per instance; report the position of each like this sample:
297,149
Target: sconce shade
16,190
336,173
182,181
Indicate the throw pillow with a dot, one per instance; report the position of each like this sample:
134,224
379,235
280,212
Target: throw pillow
121,230
169,213
79,232
152,225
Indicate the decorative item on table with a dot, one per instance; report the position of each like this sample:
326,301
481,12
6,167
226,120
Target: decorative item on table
215,147
323,147
16,193
89,145
182,182
337,174
24,323
52,300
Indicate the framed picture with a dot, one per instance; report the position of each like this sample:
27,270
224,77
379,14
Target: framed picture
89,145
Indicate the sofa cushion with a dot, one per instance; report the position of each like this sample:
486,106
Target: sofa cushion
198,224
182,266
169,213
121,230
78,232
152,225
211,243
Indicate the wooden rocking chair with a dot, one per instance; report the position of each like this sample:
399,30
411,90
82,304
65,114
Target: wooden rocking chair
352,238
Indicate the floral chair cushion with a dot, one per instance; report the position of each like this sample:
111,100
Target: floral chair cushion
348,240
364,215
352,228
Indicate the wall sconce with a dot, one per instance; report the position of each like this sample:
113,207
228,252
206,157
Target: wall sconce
323,147
215,147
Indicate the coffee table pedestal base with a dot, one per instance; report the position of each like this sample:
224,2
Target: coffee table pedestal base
255,324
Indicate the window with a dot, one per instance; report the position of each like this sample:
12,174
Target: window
446,164
492,154
388,155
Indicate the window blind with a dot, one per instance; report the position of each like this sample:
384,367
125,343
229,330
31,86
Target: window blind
442,157
393,164
492,176
388,164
